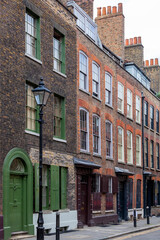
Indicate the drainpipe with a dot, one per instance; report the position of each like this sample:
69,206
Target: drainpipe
144,179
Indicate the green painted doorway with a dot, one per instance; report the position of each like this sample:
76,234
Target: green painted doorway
17,193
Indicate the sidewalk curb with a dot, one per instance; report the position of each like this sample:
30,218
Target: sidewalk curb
132,231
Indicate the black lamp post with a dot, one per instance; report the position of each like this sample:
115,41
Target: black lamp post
41,94
144,179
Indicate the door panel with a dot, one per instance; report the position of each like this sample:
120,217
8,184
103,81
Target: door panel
84,203
15,203
122,200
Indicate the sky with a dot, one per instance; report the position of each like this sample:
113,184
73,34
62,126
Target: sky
141,19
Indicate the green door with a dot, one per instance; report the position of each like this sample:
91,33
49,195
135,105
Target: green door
16,203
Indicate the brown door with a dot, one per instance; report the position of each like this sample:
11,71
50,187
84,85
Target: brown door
84,199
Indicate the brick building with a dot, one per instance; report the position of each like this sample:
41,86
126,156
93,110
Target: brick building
38,38
93,165
110,166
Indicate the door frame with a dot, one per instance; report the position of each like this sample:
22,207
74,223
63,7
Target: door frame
28,226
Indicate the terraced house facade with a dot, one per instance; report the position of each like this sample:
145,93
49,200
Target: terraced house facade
38,39
101,137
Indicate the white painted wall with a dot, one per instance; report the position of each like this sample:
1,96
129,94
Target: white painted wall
68,219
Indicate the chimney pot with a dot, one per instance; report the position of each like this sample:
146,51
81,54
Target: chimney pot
120,8
151,62
98,11
127,42
103,11
135,40
109,10
131,41
156,61
147,63
139,40
114,9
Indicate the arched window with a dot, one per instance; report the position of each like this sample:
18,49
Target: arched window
96,134
96,79
84,130
129,147
109,143
120,144
108,89
83,71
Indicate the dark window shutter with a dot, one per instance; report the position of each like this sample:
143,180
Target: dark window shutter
36,186
109,201
114,185
63,187
55,187
96,201
104,184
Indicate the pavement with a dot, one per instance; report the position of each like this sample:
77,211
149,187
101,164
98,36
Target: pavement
107,231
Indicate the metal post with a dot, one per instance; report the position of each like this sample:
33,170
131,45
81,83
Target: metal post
40,228
144,179
57,226
134,217
147,210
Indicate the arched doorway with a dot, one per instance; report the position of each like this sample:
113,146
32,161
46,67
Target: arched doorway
17,193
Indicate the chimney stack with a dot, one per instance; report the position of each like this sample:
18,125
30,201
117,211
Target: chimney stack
111,29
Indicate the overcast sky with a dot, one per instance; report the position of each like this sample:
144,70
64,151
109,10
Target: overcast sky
141,19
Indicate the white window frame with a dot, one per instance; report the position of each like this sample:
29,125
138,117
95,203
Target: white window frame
121,160
110,182
98,82
82,53
121,98
111,141
87,137
138,109
129,103
107,74
99,139
130,148
138,163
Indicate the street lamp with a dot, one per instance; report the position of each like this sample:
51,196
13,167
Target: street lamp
41,94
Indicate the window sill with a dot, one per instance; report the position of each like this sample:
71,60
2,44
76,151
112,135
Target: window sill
33,58
121,162
97,98
109,211
146,126
147,168
152,130
120,113
97,155
85,152
153,169
138,123
59,140
157,133
131,119
130,164
139,166
83,90
110,106
158,170
32,133
96,211
59,73
110,158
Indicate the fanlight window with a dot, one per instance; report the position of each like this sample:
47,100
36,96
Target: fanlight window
17,165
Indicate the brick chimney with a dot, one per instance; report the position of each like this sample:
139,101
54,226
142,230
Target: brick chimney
111,28
152,70
134,51
87,6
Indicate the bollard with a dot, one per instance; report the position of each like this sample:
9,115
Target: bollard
147,210
57,226
134,217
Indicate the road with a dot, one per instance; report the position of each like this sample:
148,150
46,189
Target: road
147,235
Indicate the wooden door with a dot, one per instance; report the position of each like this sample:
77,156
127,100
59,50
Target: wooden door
122,200
84,199
16,203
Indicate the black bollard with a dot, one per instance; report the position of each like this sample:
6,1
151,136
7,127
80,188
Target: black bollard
134,217
57,226
147,210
